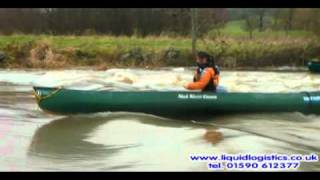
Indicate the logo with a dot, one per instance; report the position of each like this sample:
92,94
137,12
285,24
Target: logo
197,96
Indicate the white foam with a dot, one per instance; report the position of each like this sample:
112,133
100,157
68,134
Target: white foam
162,80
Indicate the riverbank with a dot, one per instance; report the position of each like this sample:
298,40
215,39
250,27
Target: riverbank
103,52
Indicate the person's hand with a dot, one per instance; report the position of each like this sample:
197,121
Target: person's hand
185,85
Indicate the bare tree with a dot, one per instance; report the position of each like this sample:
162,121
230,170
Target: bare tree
250,22
194,30
288,13
261,14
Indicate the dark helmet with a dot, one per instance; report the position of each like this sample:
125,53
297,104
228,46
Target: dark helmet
202,54
210,59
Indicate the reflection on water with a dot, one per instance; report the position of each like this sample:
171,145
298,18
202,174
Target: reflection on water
144,142
136,140
34,140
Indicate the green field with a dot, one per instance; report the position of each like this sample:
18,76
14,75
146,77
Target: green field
235,29
98,42
232,48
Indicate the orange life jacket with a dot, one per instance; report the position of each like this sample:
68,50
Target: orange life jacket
206,79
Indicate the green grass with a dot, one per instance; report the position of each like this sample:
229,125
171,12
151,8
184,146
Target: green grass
97,43
16,39
93,42
235,29
230,51
88,49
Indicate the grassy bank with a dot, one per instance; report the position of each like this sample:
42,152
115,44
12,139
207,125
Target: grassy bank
29,51
235,29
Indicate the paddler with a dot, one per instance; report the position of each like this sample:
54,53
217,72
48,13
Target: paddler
206,77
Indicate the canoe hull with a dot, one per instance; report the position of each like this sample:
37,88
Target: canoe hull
314,67
63,101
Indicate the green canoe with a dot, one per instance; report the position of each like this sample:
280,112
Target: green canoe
64,101
314,66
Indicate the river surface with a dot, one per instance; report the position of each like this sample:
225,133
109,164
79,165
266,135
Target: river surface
32,140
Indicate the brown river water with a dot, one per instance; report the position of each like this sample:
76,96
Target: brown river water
32,140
